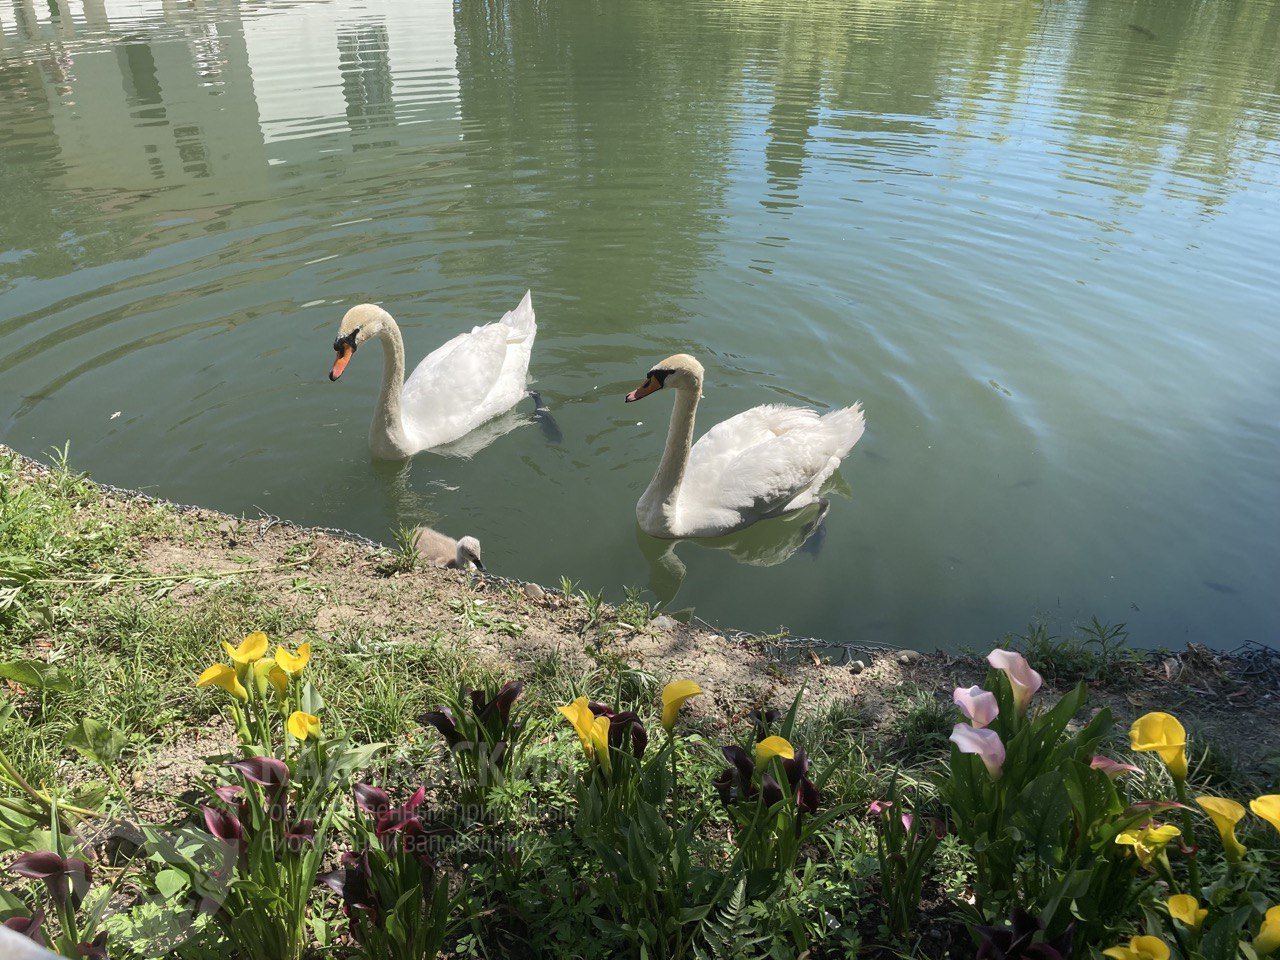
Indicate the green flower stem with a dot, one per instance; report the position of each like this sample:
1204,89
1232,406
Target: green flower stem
1189,835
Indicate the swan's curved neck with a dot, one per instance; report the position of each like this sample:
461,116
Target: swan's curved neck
659,500
386,432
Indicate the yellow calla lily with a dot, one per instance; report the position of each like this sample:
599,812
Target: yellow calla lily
1140,948
266,672
599,737
1165,735
1148,842
1225,814
580,716
1268,939
1268,808
771,747
220,675
292,663
1187,909
674,695
304,726
251,648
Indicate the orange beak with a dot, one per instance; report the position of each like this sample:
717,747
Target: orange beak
341,363
649,386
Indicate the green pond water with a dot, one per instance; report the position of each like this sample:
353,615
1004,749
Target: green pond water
1039,240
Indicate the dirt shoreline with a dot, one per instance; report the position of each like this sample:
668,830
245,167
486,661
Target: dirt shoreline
1232,700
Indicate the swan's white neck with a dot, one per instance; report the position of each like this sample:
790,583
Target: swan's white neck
657,508
386,433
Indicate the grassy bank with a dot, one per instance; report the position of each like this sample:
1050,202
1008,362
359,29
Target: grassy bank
111,605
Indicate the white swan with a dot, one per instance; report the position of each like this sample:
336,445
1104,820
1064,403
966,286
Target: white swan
456,388
765,461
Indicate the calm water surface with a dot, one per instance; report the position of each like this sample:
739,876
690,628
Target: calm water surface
1039,240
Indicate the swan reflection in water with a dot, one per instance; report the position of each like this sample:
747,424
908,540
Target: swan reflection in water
763,544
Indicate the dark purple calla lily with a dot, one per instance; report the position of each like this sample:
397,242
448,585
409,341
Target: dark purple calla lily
62,876
763,720
396,817
29,927
273,776
624,725
724,784
352,882
229,793
797,768
372,800
225,827
264,771
770,790
1018,941
599,709
96,950
299,835
807,797
443,720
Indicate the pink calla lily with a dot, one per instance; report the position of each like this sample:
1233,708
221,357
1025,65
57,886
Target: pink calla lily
977,704
983,742
1022,678
1113,768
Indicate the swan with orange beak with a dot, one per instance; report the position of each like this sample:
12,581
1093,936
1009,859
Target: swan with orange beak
764,462
458,387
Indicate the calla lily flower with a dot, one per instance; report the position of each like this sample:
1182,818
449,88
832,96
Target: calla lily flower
226,827
1024,681
292,663
599,740
977,704
627,725
735,782
266,673
299,835
443,720
372,800
63,876
1268,939
1113,768
771,747
674,695
878,807
220,675
264,771
304,726
29,927
96,949
581,718
1163,734
1186,909
986,743
1268,808
770,790
251,649
763,720
1225,814
1019,942
1140,948
1148,842
498,708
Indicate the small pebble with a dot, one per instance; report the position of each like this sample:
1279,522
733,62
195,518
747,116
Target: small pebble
857,666
909,656
534,592
663,623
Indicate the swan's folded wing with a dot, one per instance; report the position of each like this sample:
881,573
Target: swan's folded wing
446,390
762,465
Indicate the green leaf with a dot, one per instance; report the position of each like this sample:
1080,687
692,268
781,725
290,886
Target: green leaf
170,883
95,740
36,675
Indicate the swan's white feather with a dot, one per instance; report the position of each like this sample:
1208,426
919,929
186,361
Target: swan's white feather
469,380
762,462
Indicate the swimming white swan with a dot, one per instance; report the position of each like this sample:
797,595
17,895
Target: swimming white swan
456,388
765,461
